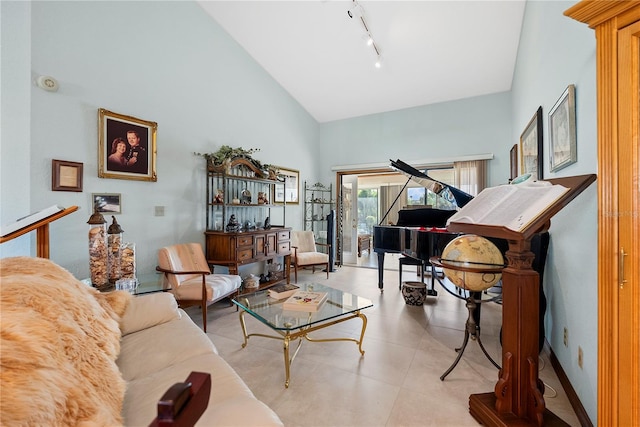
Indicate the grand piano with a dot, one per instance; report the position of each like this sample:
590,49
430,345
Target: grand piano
422,233
419,233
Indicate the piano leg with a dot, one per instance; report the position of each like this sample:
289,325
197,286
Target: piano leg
380,271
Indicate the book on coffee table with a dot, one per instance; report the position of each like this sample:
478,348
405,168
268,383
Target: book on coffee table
305,301
283,290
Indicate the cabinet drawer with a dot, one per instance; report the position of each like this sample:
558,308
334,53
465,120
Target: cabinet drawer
244,254
284,235
244,241
284,247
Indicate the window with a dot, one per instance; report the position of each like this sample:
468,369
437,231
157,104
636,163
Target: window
367,210
420,196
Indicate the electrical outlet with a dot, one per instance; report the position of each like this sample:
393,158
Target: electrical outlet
159,210
580,357
566,337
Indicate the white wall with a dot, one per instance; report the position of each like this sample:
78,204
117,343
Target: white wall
470,126
166,62
15,134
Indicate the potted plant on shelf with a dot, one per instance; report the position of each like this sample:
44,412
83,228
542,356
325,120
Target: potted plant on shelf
222,159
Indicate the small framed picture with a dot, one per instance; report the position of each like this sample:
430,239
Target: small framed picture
562,131
110,203
126,147
66,176
531,147
513,162
288,187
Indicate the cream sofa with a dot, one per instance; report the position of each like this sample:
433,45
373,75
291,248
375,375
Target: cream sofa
71,355
160,346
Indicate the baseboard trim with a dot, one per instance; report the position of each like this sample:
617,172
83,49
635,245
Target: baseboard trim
581,413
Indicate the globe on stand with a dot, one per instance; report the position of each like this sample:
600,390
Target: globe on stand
476,253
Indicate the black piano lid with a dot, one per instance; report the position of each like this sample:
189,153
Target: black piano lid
424,180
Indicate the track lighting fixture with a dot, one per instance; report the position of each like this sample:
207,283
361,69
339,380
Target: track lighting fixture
357,11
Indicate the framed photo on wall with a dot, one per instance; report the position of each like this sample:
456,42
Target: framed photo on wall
110,203
66,176
513,162
126,147
531,147
288,188
562,131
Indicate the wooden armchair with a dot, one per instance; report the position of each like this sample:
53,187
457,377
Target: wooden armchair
305,252
186,270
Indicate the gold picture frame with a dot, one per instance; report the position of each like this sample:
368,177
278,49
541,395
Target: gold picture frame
126,147
66,176
562,131
531,147
287,190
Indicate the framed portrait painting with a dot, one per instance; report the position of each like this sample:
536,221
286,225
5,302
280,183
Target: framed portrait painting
126,147
287,190
531,147
562,131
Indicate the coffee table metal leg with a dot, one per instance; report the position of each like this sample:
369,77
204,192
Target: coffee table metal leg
364,327
287,362
244,328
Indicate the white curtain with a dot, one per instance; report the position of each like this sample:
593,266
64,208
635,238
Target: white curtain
388,194
471,177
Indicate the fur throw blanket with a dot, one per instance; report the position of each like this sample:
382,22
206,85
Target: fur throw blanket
59,340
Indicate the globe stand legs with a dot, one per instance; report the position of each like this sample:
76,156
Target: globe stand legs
472,329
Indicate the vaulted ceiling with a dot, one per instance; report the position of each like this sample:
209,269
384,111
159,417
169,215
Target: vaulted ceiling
430,51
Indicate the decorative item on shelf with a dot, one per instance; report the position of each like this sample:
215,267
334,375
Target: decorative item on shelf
98,259
219,198
221,161
262,198
249,225
251,283
267,223
272,269
114,243
128,261
235,201
233,225
245,197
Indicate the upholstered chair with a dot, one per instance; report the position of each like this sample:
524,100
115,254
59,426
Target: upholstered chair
306,254
187,272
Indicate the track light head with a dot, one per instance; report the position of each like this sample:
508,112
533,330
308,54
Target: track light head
355,11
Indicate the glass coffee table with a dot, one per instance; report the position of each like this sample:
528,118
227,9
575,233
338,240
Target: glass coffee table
297,325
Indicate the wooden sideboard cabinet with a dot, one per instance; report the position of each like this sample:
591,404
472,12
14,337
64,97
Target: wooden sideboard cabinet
235,249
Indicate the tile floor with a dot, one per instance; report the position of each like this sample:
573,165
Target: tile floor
397,381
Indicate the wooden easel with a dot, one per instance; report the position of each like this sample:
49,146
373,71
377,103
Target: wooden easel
518,395
42,231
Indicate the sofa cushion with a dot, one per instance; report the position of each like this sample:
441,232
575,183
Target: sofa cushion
149,310
58,345
152,349
231,403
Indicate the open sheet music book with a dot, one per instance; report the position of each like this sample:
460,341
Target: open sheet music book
29,219
510,206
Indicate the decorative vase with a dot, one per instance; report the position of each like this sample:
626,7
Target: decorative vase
414,293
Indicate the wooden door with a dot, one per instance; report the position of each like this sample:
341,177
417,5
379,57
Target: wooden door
618,73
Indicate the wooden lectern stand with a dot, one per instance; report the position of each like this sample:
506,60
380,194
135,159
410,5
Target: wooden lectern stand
42,231
517,398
